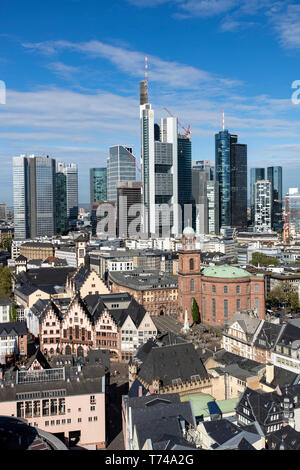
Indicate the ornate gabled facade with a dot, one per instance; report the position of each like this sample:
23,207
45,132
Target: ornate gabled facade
84,324
85,282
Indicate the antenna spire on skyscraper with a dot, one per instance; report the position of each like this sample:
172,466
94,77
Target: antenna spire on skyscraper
146,72
223,120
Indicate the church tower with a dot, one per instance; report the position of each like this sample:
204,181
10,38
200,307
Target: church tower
189,276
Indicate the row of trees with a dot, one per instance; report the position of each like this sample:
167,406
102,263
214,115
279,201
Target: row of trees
259,259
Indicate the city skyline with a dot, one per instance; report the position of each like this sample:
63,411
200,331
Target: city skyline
73,96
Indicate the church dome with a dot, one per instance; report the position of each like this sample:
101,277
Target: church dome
188,231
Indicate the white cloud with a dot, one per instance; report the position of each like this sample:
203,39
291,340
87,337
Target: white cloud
172,74
287,25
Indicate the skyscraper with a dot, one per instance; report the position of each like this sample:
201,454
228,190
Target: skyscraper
256,174
199,182
21,197
263,206
121,166
61,203
274,175
212,190
159,162
34,196
128,208
231,174
185,194
42,196
71,172
147,160
238,157
98,184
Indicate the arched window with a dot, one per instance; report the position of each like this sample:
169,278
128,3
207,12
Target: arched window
191,264
192,285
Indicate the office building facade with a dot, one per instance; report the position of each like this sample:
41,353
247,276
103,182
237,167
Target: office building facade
61,204
129,208
71,172
21,197
185,192
274,175
159,160
121,166
231,175
263,206
256,174
98,185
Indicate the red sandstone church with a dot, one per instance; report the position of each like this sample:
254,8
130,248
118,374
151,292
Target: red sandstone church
219,291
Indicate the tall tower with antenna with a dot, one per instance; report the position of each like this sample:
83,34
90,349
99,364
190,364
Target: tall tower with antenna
147,158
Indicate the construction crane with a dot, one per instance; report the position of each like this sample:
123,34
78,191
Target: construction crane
133,160
187,131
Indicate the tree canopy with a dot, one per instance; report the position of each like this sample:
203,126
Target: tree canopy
195,311
283,294
5,282
263,260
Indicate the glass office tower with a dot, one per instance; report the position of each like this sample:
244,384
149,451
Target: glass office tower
98,185
185,193
21,197
42,173
238,158
61,203
231,176
223,176
71,173
274,175
120,167
256,174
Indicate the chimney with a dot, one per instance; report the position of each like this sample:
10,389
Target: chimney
269,373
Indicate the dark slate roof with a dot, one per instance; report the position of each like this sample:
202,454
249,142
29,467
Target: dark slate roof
39,356
229,359
144,349
245,445
204,354
135,310
95,304
153,399
79,276
90,381
171,442
267,335
179,361
289,334
286,438
135,389
221,430
21,258
5,301
282,377
45,277
41,307
17,328
160,419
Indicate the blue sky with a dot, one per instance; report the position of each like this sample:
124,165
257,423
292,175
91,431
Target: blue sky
72,70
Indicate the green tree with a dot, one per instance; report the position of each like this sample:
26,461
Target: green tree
263,260
5,244
5,282
195,311
13,313
283,294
